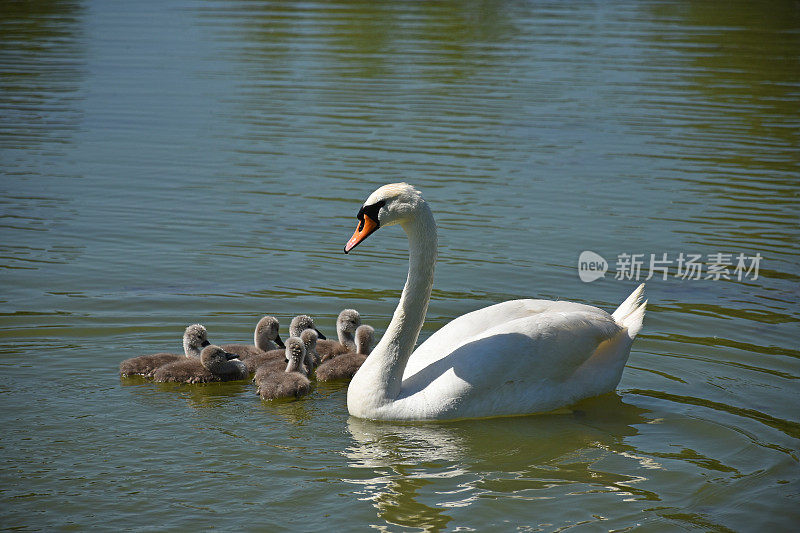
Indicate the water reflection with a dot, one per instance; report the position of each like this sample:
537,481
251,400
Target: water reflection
43,63
43,66
788,427
738,109
197,396
295,411
210,396
380,68
424,469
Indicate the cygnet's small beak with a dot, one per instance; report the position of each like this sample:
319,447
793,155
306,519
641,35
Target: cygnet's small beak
366,226
320,335
230,356
279,342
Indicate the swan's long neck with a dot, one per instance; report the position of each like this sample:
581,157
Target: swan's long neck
378,380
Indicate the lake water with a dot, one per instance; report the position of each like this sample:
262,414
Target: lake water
203,161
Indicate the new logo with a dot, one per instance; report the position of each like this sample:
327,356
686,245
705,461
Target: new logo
591,266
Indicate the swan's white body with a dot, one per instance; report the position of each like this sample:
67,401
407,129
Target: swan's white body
512,358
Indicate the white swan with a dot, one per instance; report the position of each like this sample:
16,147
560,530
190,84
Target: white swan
516,357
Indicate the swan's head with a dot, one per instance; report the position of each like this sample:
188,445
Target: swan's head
267,330
300,323
195,338
295,354
391,204
348,321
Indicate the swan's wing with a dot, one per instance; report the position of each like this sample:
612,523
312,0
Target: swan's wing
476,323
520,362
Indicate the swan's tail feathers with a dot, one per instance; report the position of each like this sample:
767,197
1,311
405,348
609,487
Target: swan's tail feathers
630,305
631,313
634,320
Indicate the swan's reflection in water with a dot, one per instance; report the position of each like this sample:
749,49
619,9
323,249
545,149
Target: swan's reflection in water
423,470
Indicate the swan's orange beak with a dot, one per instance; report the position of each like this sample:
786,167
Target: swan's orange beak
366,226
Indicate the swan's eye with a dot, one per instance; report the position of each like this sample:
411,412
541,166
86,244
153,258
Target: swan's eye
371,211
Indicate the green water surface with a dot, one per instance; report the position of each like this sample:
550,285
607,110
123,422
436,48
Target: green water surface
166,163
